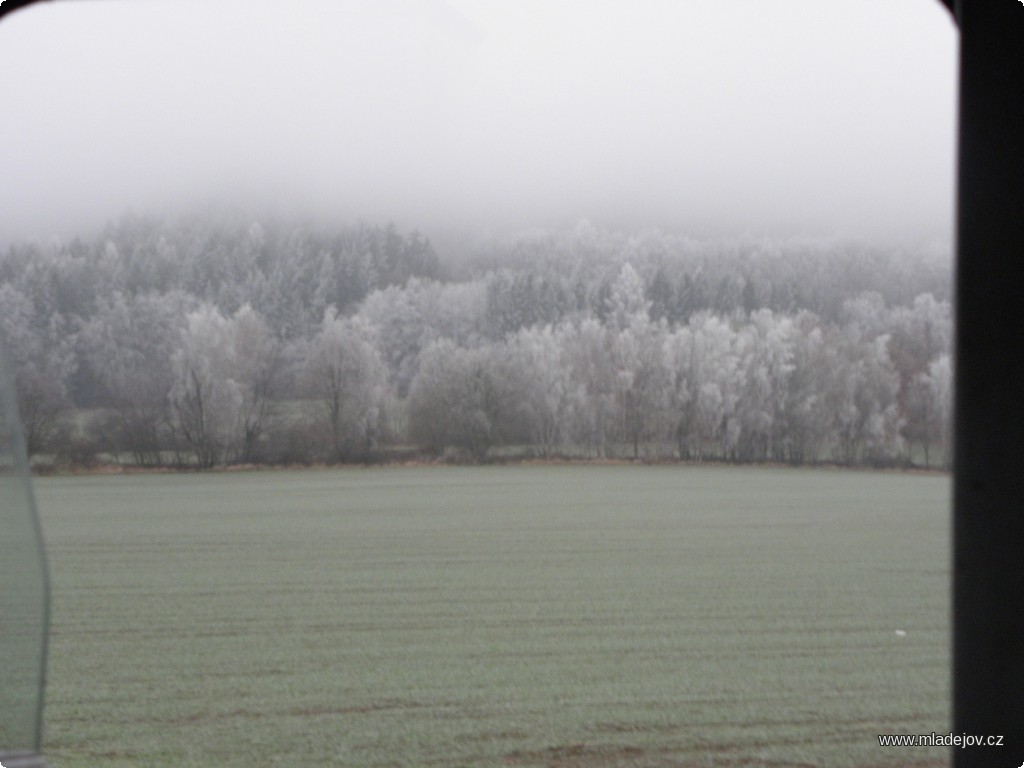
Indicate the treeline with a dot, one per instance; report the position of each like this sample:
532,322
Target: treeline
201,342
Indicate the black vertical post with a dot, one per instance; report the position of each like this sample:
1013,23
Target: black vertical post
988,582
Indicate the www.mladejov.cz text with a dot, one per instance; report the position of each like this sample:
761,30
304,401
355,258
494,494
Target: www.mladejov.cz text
938,740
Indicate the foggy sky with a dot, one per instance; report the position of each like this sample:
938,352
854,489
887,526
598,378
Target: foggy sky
707,116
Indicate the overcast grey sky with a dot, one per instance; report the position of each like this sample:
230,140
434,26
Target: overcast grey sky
822,116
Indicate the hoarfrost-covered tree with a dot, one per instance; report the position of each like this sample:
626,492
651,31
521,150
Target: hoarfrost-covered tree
345,372
593,378
460,398
940,384
919,335
205,400
40,350
642,379
542,385
714,365
765,351
516,300
929,406
128,344
401,333
257,363
868,421
865,316
628,304
453,311
409,319
222,396
812,393
678,356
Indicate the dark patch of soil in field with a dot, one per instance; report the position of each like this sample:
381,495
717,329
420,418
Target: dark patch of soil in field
716,755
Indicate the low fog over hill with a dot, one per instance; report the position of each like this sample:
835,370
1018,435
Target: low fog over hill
705,118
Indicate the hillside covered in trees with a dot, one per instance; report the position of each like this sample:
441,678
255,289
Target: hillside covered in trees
202,342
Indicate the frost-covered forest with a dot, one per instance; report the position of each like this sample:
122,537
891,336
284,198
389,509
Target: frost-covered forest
217,340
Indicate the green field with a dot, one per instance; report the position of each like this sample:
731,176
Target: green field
507,616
